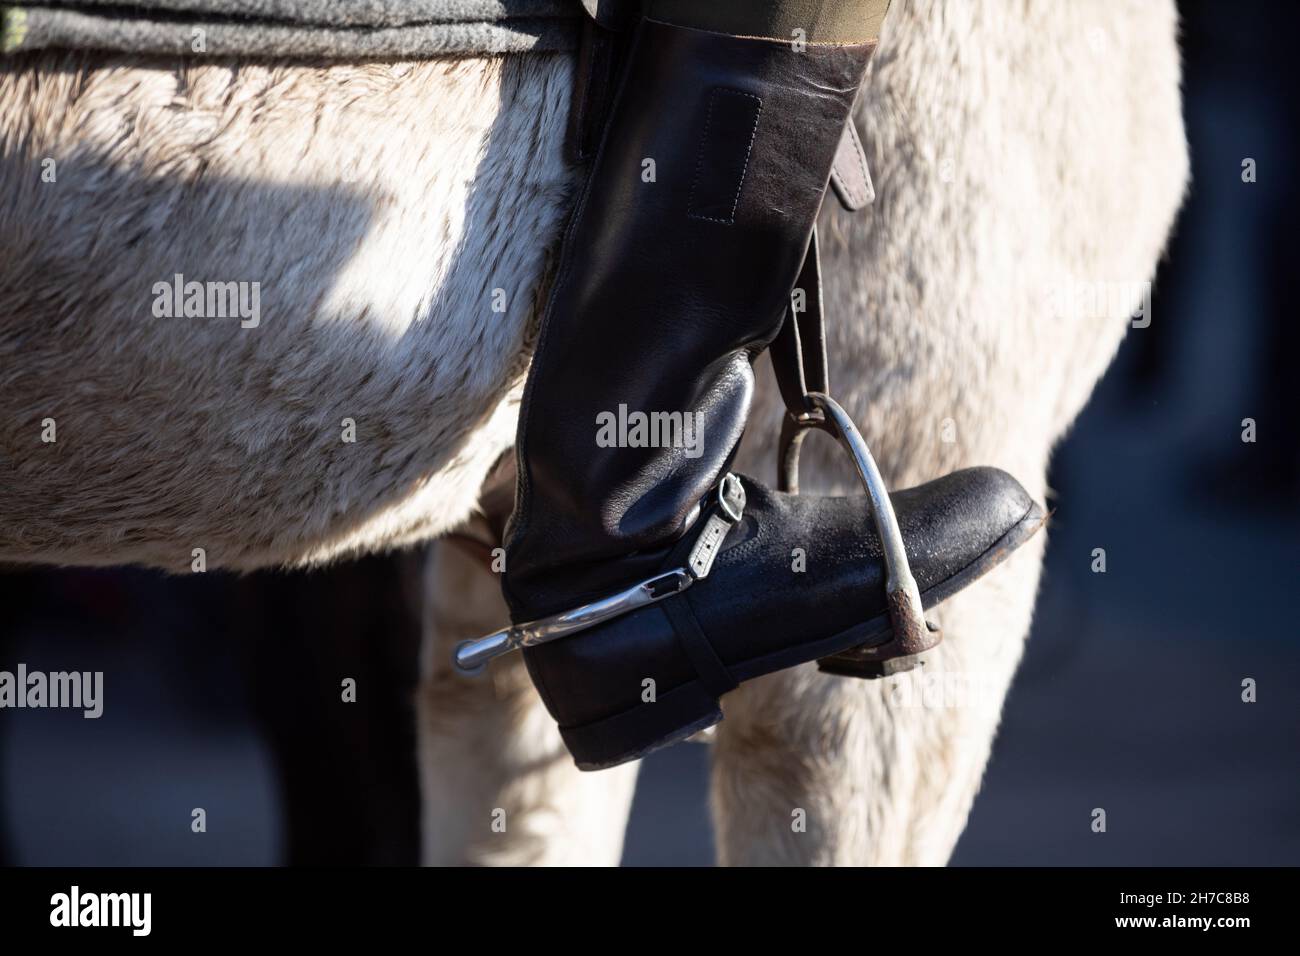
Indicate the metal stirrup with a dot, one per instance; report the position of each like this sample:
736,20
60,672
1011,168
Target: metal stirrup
912,633
802,372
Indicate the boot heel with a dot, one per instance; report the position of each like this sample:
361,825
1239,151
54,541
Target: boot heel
676,715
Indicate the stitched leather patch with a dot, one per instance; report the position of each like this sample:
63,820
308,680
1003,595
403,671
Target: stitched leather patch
730,124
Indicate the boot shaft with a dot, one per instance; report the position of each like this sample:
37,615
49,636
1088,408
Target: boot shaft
676,272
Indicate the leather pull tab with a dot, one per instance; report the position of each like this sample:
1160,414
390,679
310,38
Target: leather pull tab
850,177
799,349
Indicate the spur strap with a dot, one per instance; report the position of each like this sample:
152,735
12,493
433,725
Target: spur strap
716,523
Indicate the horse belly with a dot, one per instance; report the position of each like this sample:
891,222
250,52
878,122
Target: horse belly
275,313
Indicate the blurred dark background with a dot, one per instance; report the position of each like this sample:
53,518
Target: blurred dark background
224,691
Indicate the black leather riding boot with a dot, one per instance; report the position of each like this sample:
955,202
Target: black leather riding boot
644,580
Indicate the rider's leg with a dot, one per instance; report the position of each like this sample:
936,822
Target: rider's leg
821,21
676,271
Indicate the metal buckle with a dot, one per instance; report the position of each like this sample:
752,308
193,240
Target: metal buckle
731,497
912,632
472,656
708,543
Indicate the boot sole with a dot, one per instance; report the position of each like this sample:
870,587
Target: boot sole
688,709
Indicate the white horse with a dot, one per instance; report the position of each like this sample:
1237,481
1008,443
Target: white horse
394,222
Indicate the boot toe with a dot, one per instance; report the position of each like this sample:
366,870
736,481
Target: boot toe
965,521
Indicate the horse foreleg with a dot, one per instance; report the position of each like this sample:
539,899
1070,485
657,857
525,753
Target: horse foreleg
813,769
498,786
